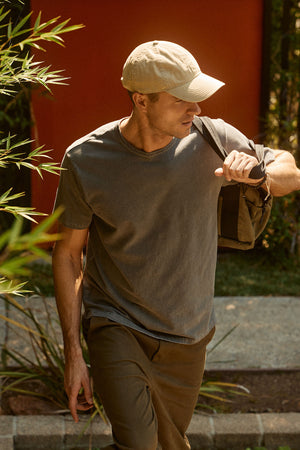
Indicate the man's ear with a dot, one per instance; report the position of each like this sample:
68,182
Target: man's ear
139,100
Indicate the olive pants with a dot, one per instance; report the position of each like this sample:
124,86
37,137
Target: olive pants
148,387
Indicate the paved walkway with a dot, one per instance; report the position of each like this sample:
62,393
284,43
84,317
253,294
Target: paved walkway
267,335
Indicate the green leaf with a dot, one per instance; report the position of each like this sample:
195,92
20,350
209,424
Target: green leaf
13,267
37,22
14,374
9,28
5,198
57,39
11,287
50,167
215,397
4,238
2,16
47,24
20,325
8,142
38,152
38,47
222,339
20,143
60,26
15,231
47,223
20,25
72,28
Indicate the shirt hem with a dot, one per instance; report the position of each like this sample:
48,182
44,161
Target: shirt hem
156,335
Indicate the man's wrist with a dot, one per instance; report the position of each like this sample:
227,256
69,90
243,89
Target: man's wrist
72,352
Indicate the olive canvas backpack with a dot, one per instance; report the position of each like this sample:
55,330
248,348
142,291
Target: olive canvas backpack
243,209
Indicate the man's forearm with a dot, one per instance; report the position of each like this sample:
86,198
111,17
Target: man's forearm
67,272
283,176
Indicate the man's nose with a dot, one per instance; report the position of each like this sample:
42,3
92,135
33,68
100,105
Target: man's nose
195,108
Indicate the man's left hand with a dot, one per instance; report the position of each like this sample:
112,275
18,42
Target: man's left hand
237,166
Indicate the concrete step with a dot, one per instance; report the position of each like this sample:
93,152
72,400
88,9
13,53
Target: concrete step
219,432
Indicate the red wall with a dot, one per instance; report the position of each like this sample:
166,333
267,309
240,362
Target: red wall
224,36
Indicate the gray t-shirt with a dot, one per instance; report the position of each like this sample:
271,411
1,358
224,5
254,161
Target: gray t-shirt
152,220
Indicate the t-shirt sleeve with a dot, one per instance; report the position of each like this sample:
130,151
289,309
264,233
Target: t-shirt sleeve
70,196
233,139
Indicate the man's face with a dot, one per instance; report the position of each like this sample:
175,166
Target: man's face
169,116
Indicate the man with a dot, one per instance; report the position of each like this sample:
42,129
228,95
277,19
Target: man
143,192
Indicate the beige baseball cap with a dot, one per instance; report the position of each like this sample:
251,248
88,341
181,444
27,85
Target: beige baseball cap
162,66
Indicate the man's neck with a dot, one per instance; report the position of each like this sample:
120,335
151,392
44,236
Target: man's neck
141,136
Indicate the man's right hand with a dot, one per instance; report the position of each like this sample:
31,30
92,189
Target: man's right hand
78,386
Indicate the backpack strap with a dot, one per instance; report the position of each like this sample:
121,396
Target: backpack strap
207,129
209,132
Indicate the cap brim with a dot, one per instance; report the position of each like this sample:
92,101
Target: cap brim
197,90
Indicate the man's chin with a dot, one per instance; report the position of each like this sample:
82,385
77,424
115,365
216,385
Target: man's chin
183,133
